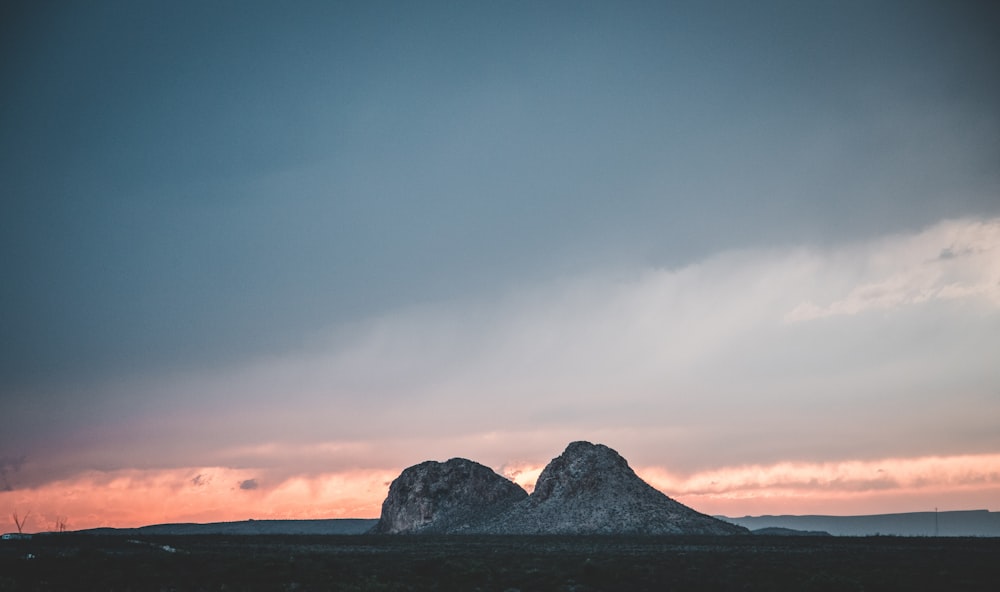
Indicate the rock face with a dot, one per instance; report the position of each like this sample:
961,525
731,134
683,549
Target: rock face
588,489
449,497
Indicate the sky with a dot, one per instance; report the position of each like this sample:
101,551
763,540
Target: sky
256,257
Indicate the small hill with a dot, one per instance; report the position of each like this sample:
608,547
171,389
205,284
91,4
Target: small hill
775,531
247,527
453,496
950,524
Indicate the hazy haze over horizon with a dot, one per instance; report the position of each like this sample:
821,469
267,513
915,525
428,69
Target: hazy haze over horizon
256,259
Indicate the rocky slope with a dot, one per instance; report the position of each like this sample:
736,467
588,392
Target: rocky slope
448,497
588,489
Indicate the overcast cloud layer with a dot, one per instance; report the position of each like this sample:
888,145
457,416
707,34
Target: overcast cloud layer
285,241
869,350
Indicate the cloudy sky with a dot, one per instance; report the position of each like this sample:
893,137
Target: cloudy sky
256,258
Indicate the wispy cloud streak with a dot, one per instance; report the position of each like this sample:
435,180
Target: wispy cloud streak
951,261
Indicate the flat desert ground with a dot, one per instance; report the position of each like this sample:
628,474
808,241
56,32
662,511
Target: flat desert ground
72,561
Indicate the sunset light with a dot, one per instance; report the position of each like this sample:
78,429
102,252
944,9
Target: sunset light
130,498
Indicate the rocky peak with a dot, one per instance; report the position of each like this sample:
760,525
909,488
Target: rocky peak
580,468
435,497
590,489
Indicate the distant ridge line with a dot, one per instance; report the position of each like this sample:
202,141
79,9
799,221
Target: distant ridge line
327,526
953,523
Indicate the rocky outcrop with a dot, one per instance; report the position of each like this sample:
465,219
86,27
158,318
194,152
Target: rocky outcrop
450,497
588,489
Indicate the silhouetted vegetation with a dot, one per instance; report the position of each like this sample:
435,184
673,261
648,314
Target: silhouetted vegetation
573,563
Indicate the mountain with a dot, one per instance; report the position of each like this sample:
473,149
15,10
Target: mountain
588,489
453,496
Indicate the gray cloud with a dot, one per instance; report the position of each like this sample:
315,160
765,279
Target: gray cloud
491,234
8,468
687,368
430,167
249,484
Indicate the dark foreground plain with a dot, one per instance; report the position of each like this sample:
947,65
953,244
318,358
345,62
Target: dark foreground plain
502,563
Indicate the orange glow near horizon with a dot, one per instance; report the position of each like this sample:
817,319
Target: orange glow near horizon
132,498
848,487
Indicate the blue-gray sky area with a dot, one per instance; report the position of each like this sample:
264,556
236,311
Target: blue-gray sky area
701,228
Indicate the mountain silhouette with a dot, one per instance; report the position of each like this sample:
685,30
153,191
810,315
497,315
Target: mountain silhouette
588,489
452,496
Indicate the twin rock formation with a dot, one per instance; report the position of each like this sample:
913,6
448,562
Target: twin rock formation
588,489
